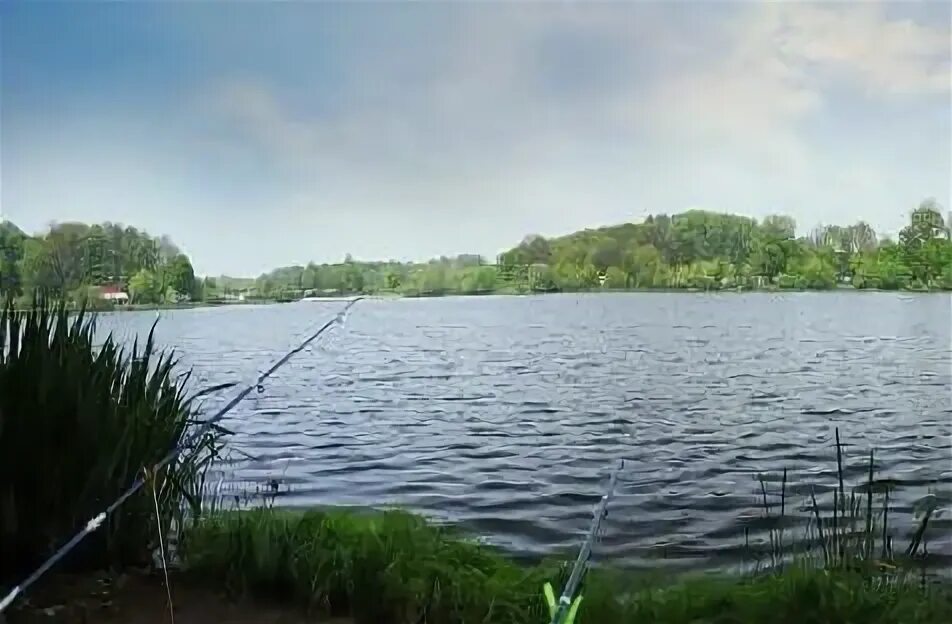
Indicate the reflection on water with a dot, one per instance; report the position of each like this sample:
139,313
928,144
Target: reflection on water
506,413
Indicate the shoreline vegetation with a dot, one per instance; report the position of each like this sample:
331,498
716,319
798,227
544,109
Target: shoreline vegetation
91,419
110,266
106,307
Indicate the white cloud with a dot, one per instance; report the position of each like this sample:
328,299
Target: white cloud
858,42
776,63
781,60
502,128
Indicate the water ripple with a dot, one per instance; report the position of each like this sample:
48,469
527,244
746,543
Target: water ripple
504,413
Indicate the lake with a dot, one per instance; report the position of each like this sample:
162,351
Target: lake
506,414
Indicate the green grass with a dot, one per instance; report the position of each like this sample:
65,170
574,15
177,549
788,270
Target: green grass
393,567
79,421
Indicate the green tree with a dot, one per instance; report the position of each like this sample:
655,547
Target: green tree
95,256
615,277
64,244
817,273
11,252
779,227
770,259
36,267
179,275
393,280
473,280
353,278
144,287
923,243
606,253
643,265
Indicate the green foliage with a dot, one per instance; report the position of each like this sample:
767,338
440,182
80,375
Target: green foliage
883,268
706,250
11,254
796,596
394,567
476,280
36,267
144,287
78,424
818,274
461,275
615,278
179,275
695,249
391,567
63,262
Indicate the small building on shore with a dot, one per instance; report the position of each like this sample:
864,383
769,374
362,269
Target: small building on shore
115,294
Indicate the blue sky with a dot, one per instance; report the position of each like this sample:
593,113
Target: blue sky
264,134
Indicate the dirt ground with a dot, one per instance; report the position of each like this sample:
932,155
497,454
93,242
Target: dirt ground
142,599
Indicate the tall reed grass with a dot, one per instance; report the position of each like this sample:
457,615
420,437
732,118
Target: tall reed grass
78,423
853,532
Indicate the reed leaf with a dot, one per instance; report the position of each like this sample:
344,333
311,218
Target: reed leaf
77,424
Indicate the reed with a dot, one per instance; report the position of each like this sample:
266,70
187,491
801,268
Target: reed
846,535
78,423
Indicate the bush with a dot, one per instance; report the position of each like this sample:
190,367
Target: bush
791,282
78,423
390,567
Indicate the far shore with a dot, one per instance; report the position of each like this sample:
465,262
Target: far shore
190,305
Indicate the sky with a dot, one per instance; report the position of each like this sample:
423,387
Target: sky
262,134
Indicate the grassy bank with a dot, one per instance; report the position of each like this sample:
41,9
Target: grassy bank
396,568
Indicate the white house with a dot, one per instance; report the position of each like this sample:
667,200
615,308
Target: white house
114,294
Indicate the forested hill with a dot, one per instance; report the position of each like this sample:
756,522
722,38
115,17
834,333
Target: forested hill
703,249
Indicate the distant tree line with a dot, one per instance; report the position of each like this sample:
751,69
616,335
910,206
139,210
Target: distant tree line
707,250
465,274
71,259
695,249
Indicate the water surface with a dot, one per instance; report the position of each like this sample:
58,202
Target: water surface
506,413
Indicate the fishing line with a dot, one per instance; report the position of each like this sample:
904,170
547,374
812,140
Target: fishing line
97,521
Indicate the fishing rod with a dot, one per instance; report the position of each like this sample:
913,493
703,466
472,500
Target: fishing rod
563,611
98,520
